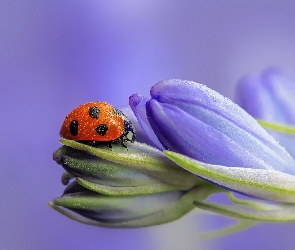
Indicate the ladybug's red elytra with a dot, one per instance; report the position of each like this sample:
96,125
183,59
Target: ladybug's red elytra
97,122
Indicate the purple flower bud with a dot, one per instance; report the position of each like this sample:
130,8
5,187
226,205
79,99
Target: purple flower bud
270,97
191,119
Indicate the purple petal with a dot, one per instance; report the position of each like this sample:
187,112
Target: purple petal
137,103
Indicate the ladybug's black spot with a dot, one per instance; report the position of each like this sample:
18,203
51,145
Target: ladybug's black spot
118,111
94,112
74,127
101,129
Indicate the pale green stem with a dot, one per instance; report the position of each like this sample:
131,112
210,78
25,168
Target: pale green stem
241,225
248,203
278,127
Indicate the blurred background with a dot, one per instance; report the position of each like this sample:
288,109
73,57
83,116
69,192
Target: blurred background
55,55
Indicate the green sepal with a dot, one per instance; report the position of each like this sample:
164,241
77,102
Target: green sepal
131,190
265,184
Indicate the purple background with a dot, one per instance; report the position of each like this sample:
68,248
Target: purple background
55,55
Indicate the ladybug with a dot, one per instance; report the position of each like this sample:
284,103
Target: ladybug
98,122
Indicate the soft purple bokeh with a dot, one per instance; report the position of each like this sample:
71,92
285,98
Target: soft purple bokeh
269,96
55,55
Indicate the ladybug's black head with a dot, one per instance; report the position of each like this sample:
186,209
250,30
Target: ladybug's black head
129,131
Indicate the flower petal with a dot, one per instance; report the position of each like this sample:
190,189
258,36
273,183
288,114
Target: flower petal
137,103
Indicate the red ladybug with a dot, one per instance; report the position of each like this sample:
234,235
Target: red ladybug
97,122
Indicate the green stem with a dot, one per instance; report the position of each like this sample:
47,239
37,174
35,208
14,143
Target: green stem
241,225
278,127
248,203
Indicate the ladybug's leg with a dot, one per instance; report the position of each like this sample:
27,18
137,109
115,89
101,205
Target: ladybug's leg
122,142
110,145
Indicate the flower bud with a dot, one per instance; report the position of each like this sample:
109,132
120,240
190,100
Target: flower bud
92,208
139,170
193,120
